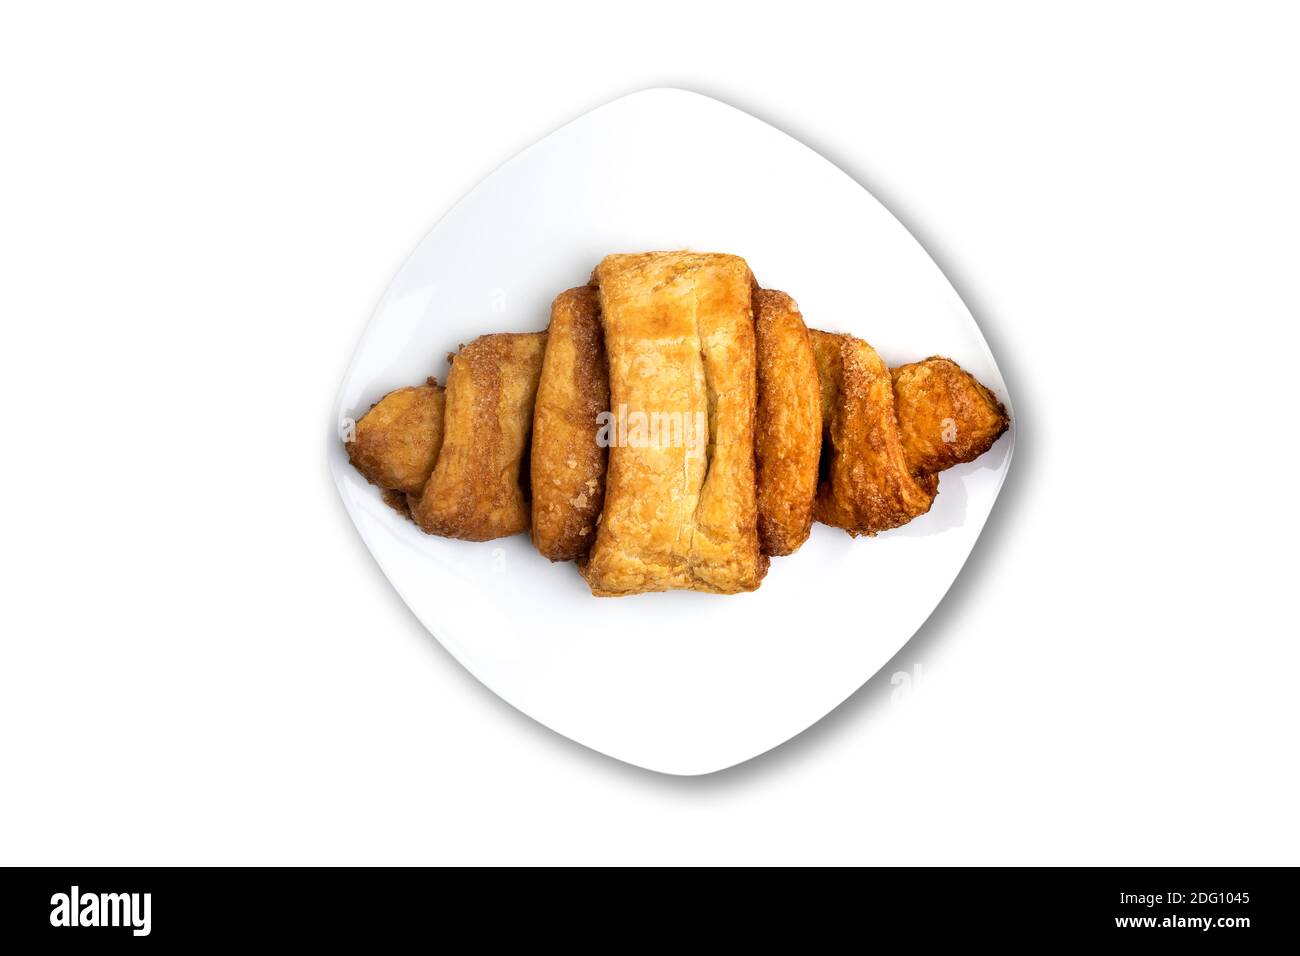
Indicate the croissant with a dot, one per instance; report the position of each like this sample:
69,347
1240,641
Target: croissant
675,427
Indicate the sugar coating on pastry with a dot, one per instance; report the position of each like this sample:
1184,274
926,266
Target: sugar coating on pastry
945,416
869,486
789,425
395,444
568,464
680,500
475,491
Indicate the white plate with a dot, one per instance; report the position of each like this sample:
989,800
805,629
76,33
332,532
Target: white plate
678,682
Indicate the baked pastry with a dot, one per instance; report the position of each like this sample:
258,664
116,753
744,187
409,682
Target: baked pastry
789,428
869,486
680,502
475,490
568,463
945,417
674,427
396,443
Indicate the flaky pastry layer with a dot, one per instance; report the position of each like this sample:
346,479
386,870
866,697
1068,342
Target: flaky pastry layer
869,487
789,427
397,441
568,464
945,417
475,490
680,503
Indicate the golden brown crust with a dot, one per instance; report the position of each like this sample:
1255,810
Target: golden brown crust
397,441
475,490
568,464
869,487
745,396
945,416
680,508
789,430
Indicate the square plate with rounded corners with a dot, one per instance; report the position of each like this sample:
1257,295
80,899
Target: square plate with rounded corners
677,682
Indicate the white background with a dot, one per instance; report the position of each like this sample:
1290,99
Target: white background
200,663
